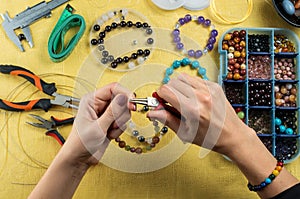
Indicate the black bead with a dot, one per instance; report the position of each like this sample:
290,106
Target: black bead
141,139
129,24
94,42
102,35
114,64
134,55
107,28
119,60
164,129
96,27
145,25
122,23
146,52
100,41
145,108
140,52
138,24
126,59
114,25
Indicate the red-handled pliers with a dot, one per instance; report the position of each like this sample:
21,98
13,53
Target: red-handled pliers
157,103
48,88
51,125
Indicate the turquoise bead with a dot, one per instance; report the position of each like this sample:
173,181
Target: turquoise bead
169,71
202,71
205,77
185,61
289,131
268,180
195,64
166,79
176,64
277,121
282,128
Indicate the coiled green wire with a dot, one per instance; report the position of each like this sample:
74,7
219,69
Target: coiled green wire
56,48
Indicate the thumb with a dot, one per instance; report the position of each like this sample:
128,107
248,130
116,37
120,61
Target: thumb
116,111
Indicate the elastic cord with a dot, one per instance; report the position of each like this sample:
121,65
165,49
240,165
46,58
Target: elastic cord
226,21
56,48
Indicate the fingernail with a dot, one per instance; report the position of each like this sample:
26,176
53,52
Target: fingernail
121,100
134,107
134,94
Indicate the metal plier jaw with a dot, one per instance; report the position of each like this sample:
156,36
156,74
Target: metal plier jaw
65,101
149,101
45,124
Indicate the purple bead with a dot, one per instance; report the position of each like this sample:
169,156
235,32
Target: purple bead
176,32
207,22
209,46
198,54
176,39
212,40
179,46
187,18
201,20
181,21
214,33
191,53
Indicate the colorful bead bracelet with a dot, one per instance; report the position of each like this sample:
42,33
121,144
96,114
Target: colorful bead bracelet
184,62
199,20
268,180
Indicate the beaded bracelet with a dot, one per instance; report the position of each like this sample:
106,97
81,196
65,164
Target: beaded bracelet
148,142
202,21
184,62
268,180
110,58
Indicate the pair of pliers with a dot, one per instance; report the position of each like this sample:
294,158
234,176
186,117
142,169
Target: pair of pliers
51,126
48,88
157,103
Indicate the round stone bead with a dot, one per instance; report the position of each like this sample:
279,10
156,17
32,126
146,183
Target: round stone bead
198,54
176,64
141,138
176,32
96,27
191,53
185,61
202,71
169,71
166,79
277,121
179,46
155,140
149,31
150,41
201,19
122,144
195,64
131,65
138,150
289,131
241,115
268,180
282,128
135,133
164,129
214,33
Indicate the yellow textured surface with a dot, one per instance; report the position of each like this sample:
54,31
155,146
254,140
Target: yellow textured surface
25,152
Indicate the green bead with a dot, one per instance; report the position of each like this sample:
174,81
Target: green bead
157,129
127,147
272,176
148,148
241,115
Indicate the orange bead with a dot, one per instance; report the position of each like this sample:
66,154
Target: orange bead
278,168
236,76
227,37
243,54
225,46
237,54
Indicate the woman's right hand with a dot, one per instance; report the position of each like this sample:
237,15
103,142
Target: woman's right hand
208,120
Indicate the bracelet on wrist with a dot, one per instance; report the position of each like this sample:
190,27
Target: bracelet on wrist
268,180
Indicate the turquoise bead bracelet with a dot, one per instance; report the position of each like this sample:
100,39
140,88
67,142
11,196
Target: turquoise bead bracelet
184,62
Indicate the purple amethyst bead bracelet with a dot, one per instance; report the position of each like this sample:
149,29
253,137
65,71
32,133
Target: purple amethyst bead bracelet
201,21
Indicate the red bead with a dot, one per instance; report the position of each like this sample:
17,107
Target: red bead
118,139
280,164
122,144
155,140
138,150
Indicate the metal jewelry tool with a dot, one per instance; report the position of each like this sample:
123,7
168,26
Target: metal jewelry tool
48,88
27,17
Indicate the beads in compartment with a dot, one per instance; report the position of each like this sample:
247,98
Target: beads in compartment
259,67
258,43
284,69
283,44
235,93
285,94
260,93
235,45
286,147
286,122
260,121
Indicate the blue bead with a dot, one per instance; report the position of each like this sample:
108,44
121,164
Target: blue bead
185,61
205,77
169,71
289,131
195,64
263,184
166,79
202,71
277,121
176,64
282,128
268,180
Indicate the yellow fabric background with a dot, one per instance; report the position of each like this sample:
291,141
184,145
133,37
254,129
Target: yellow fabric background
25,152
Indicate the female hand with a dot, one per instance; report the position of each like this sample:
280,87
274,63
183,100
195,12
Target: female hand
101,116
208,120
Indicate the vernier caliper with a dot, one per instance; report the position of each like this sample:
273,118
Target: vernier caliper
27,17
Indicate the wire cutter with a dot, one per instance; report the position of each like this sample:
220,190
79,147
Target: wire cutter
157,103
51,126
48,88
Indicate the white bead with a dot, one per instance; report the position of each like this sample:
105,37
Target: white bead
184,52
276,88
131,65
230,56
111,14
124,12
177,25
100,22
134,42
212,27
105,18
131,125
194,17
289,86
140,60
205,51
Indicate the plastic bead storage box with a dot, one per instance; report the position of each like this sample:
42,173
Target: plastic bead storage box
259,73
